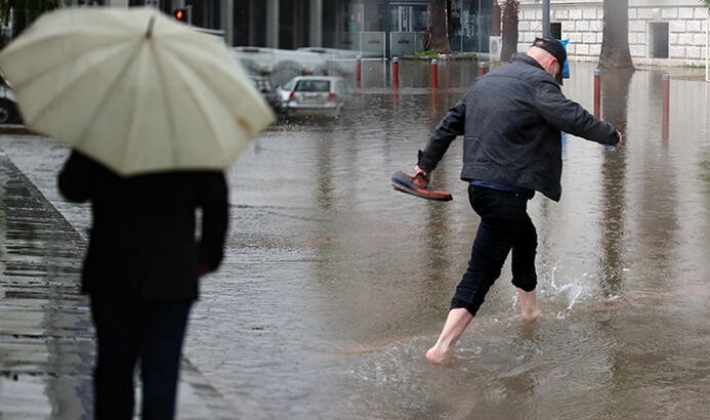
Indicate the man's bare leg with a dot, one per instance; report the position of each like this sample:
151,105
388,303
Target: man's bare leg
456,323
529,305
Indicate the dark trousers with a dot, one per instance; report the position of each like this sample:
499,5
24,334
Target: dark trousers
505,226
129,332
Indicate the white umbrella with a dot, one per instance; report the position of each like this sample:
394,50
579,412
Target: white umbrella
134,89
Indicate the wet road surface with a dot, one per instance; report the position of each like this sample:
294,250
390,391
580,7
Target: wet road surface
334,285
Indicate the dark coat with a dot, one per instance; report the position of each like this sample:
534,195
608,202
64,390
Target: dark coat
143,243
511,120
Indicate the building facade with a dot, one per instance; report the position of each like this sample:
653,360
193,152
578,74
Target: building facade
291,24
661,32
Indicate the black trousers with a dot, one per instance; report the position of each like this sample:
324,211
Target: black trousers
151,333
505,226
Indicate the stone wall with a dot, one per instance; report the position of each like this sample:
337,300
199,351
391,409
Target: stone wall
684,22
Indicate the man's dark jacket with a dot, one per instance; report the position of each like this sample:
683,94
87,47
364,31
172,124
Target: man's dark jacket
143,243
511,121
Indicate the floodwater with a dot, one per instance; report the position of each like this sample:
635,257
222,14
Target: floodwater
334,285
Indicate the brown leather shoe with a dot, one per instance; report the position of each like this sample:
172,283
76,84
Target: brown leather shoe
421,180
418,185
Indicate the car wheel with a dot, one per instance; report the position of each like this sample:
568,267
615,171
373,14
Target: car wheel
5,112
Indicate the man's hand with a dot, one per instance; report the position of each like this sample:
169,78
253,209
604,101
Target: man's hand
418,170
621,140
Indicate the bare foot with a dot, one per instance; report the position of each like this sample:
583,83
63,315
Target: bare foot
456,322
436,355
529,307
531,314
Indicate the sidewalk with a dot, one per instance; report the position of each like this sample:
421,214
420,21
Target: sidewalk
46,337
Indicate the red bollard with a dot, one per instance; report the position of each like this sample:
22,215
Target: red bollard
597,92
395,73
434,74
666,79
358,70
481,68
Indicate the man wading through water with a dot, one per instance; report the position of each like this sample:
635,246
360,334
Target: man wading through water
511,121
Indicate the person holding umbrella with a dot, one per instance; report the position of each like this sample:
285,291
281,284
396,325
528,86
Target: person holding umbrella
511,121
155,112
141,271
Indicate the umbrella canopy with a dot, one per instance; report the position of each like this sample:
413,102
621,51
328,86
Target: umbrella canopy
134,89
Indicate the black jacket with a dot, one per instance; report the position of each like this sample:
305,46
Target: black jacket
143,243
511,120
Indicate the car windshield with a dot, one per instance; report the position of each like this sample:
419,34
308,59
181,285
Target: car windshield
288,84
313,86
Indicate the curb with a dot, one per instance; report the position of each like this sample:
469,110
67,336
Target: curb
17,129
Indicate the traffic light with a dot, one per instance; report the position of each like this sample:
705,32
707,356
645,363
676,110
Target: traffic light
180,14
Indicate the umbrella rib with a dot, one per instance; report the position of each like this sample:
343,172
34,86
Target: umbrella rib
77,80
163,91
245,123
103,102
191,91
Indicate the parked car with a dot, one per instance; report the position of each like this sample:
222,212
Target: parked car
268,92
317,95
9,114
285,92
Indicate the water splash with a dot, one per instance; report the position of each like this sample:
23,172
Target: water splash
570,291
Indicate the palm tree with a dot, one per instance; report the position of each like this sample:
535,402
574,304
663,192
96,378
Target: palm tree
510,29
439,27
615,52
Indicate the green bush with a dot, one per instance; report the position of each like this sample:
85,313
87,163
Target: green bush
427,54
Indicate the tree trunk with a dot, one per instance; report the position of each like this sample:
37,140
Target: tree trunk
439,27
496,18
615,52
510,30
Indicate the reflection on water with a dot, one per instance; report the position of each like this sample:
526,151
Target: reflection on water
334,285
45,334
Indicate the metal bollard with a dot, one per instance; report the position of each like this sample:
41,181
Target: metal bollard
395,73
597,92
434,74
358,70
666,80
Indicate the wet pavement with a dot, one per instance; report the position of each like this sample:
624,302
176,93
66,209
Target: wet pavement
333,285
42,314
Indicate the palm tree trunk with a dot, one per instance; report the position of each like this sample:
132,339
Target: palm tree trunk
510,30
615,52
439,27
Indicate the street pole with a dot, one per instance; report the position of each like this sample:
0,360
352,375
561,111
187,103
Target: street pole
545,17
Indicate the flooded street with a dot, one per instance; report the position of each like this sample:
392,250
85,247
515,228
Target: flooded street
334,285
